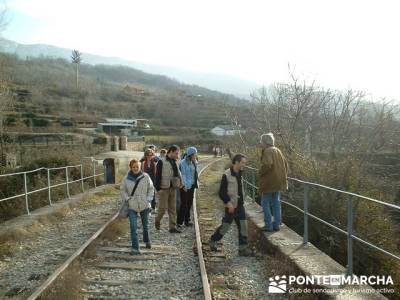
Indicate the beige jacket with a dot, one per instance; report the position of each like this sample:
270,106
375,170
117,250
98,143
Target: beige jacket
233,188
143,195
167,177
273,171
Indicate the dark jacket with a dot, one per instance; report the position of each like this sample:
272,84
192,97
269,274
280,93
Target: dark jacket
150,170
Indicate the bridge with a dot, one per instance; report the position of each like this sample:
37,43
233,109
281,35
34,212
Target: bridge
76,248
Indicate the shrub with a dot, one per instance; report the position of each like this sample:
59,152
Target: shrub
100,140
66,123
28,122
29,115
40,122
11,121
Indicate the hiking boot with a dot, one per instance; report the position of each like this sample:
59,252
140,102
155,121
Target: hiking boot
267,229
135,252
189,224
179,226
213,245
148,246
157,225
246,252
175,230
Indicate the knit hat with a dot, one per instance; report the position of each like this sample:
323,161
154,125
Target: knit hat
191,151
267,138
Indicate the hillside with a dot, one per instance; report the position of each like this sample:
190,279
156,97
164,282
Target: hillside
49,89
224,83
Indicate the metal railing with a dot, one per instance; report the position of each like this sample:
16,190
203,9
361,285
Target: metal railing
251,176
49,186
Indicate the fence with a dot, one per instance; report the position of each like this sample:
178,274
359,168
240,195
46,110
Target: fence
251,187
49,185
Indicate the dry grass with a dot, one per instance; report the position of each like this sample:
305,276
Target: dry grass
66,286
116,229
13,236
6,248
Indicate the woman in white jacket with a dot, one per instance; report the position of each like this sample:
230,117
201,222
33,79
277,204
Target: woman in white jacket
139,202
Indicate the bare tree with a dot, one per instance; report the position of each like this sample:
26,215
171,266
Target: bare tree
308,118
5,95
76,58
5,105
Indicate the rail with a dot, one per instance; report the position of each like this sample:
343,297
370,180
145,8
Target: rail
250,181
50,186
203,271
53,277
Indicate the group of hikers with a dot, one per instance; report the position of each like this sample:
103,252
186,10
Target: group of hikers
170,180
165,179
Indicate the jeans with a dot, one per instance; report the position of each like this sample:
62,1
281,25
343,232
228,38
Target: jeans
133,216
239,216
267,200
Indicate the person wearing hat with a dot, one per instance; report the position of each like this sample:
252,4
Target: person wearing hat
188,167
272,180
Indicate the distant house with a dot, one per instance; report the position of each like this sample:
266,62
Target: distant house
123,126
136,89
86,121
141,123
116,128
225,130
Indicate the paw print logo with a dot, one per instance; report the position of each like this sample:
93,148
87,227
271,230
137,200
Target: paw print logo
277,284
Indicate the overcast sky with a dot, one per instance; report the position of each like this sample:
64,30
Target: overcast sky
340,44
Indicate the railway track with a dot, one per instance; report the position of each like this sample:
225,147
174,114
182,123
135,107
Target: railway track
230,276
103,269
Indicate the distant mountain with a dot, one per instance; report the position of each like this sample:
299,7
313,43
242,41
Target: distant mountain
223,83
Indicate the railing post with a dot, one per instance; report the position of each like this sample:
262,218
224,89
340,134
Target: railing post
253,187
67,184
26,195
94,173
306,194
349,236
49,185
83,187
246,187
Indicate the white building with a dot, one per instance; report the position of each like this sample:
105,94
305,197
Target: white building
224,130
134,122
123,126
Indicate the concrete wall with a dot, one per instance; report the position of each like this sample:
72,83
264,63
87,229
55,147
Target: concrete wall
135,146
